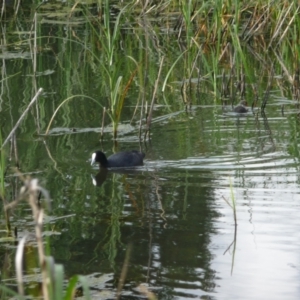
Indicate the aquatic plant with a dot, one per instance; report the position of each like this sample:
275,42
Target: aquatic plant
109,37
2,190
52,274
216,43
233,206
2,170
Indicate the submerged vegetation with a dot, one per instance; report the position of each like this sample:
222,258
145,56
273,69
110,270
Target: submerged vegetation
134,55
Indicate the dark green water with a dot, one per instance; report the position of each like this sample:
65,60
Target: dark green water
170,214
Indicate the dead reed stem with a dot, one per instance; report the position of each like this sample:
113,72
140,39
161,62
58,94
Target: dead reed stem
267,92
124,272
2,9
30,192
22,117
19,264
35,44
149,118
103,121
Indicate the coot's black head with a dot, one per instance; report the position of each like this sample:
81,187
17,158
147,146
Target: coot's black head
99,157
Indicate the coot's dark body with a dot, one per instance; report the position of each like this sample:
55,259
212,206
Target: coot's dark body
241,107
119,160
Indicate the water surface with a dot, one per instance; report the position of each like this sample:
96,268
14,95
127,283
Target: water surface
171,213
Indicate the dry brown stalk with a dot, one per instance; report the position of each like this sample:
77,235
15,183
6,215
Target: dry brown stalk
22,117
149,118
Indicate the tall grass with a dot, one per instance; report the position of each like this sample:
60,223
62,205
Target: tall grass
215,41
110,39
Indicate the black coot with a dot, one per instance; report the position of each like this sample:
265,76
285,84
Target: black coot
241,107
119,160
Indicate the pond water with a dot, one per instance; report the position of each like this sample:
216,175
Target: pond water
171,213
171,219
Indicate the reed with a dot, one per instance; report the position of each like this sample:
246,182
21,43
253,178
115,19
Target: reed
2,170
22,117
64,102
233,206
2,188
52,274
110,38
233,203
149,117
209,34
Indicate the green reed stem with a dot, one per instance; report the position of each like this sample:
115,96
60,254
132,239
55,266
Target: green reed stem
2,170
64,102
2,188
233,203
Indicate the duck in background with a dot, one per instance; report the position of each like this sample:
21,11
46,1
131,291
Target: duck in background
241,107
